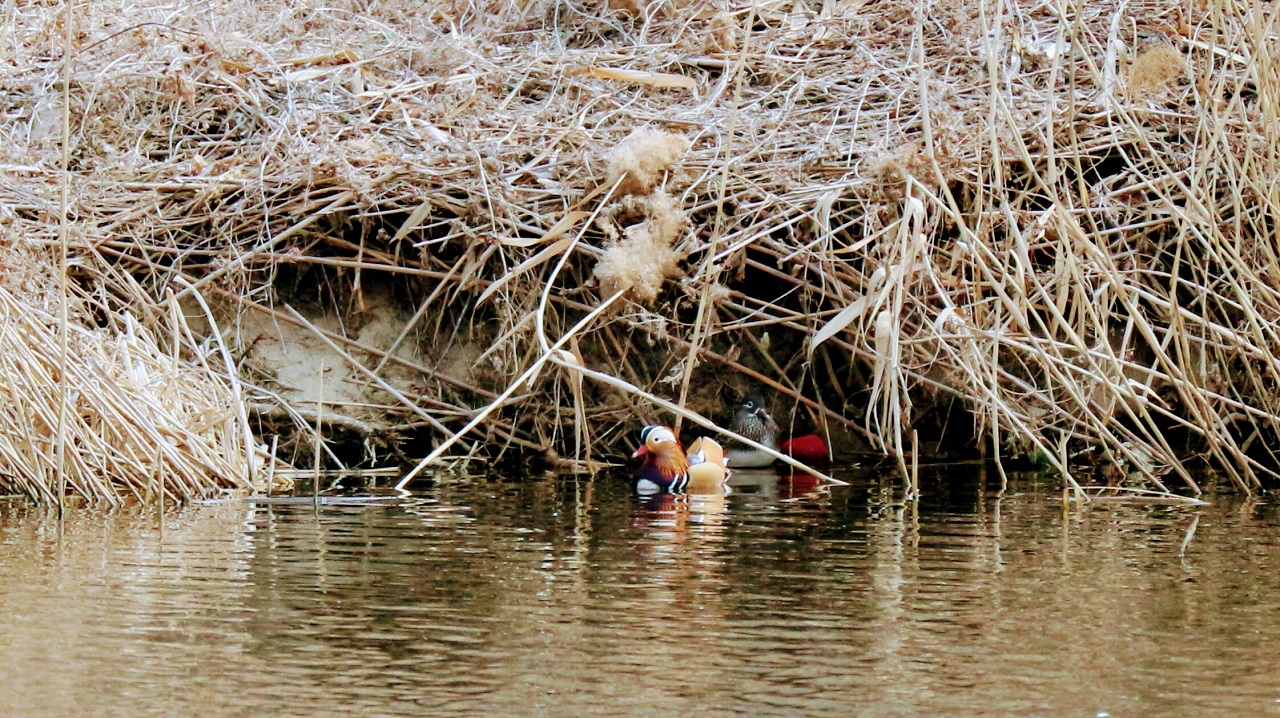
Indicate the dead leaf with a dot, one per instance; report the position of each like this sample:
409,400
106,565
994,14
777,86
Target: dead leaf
557,230
838,323
653,79
523,267
414,221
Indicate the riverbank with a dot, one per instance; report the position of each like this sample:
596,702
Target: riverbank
939,230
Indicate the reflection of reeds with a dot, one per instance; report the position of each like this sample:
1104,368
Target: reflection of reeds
1065,233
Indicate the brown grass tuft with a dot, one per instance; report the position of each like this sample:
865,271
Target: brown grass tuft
1155,69
640,159
644,258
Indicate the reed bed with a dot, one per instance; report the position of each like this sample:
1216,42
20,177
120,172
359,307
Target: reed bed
1020,228
139,423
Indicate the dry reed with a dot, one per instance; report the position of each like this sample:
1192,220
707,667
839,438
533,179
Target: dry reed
1031,213
139,421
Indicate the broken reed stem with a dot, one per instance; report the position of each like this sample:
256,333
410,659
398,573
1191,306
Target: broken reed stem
913,480
319,439
249,446
1191,533
271,464
540,318
64,257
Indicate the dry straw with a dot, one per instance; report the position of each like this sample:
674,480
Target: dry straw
1056,220
139,419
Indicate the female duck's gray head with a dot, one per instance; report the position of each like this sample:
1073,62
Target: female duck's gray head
753,421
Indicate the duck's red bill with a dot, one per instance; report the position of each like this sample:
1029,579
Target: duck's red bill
642,451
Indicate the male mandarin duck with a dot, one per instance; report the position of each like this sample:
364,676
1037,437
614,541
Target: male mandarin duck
752,420
669,468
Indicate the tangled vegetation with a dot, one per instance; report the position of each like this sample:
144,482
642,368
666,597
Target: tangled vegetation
1021,229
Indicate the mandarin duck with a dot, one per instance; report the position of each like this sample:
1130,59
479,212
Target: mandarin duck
753,421
702,469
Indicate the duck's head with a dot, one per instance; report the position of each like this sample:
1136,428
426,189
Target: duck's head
753,420
653,438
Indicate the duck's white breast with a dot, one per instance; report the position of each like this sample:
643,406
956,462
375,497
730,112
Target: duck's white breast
748,458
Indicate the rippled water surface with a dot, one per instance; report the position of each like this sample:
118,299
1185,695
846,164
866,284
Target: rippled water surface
559,597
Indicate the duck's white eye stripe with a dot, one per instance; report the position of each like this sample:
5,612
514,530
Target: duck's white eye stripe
656,432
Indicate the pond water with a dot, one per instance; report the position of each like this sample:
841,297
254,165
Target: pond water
556,597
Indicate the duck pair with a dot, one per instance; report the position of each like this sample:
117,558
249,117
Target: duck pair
704,466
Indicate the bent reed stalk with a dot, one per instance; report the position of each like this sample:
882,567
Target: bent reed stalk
1047,229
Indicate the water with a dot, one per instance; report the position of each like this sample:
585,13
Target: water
550,597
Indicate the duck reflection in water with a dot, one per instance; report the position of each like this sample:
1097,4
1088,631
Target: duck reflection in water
774,485
683,535
796,484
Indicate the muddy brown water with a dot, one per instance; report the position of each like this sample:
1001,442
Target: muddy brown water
555,597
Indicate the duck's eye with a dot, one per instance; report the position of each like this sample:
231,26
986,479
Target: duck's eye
749,404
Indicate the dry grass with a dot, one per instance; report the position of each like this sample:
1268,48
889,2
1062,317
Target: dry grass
140,423
1006,208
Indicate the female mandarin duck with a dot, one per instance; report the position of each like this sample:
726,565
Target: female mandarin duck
753,421
668,468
